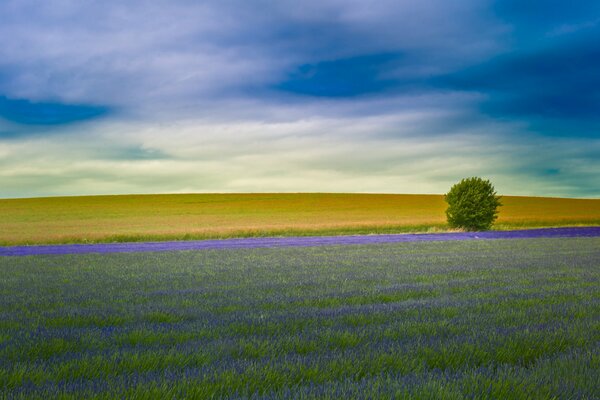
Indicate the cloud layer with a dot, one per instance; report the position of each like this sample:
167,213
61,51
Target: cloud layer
185,96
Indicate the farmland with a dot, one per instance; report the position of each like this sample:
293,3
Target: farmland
510,319
204,216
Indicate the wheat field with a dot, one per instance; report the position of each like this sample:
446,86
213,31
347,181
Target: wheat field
201,216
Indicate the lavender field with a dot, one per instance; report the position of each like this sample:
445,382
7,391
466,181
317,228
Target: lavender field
506,319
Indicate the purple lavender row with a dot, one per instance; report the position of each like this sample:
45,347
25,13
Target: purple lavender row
306,241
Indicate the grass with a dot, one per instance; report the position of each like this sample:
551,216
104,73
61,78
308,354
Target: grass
505,319
203,216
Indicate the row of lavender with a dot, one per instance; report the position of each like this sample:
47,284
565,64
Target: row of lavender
307,241
495,319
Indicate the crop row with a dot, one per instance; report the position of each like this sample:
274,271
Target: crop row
495,319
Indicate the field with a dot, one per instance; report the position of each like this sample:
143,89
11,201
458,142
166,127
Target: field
506,319
202,216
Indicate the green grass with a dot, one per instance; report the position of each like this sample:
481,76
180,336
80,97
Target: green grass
503,319
203,216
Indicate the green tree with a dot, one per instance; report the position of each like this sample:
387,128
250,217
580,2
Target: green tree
472,204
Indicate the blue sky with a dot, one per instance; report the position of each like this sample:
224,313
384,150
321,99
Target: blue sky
100,97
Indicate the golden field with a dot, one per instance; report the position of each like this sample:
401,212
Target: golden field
202,216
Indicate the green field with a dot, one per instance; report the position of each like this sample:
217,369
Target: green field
500,319
202,216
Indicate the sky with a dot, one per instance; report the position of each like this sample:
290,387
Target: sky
388,96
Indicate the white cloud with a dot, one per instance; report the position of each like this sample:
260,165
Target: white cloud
328,154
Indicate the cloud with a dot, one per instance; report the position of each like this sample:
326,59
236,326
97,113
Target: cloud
318,95
148,56
312,154
560,81
530,21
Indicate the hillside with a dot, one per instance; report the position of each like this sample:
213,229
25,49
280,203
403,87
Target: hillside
200,216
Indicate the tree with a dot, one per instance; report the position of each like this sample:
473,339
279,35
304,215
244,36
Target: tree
472,204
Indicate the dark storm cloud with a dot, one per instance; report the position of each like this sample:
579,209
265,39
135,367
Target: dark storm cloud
558,85
536,19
